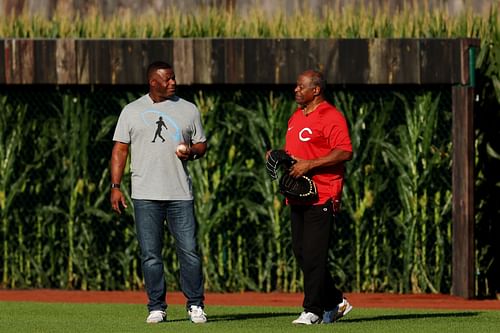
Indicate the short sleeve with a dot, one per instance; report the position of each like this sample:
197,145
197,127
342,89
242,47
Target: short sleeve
122,129
198,132
337,133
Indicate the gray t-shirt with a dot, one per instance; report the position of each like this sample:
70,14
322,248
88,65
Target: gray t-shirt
153,131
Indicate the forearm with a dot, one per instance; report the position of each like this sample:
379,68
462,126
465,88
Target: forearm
335,157
117,164
198,149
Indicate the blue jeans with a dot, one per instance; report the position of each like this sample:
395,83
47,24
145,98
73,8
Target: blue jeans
150,216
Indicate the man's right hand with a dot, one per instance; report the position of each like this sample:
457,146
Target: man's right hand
117,165
117,199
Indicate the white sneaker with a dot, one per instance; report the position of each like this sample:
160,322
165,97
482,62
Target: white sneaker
197,315
307,318
156,316
338,312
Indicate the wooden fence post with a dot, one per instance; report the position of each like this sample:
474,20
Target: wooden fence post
463,265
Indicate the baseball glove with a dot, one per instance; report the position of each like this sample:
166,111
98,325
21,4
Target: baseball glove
302,188
278,159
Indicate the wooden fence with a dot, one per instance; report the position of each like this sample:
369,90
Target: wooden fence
278,61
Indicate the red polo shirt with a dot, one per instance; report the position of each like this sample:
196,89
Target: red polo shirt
316,135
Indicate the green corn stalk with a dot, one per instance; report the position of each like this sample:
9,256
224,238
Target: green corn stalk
414,161
206,182
260,266
20,258
363,183
87,197
266,131
421,244
39,154
76,147
127,255
268,118
214,182
217,180
220,250
13,177
269,266
442,207
39,253
72,147
240,255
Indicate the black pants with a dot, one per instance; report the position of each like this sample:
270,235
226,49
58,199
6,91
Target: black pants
311,234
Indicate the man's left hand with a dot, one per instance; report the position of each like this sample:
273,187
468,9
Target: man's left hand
300,168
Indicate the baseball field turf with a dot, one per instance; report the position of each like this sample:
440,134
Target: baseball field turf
21,317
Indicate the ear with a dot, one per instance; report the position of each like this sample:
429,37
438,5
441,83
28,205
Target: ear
317,91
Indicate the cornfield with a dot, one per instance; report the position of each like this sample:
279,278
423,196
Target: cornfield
394,233
335,22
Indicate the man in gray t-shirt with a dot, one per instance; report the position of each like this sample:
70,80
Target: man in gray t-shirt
163,132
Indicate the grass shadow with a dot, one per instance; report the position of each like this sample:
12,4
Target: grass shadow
266,315
244,316
408,316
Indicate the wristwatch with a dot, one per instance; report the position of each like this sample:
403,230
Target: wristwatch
113,185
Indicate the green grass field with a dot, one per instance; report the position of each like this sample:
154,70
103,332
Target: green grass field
21,317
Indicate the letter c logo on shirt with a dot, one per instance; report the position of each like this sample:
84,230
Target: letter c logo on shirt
301,134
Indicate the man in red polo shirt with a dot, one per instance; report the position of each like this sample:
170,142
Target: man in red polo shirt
318,138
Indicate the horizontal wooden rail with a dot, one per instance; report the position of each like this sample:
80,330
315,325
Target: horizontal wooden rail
233,61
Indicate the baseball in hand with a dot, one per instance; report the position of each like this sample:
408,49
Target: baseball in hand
182,148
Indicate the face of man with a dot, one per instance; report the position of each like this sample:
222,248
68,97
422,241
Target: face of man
163,83
304,91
